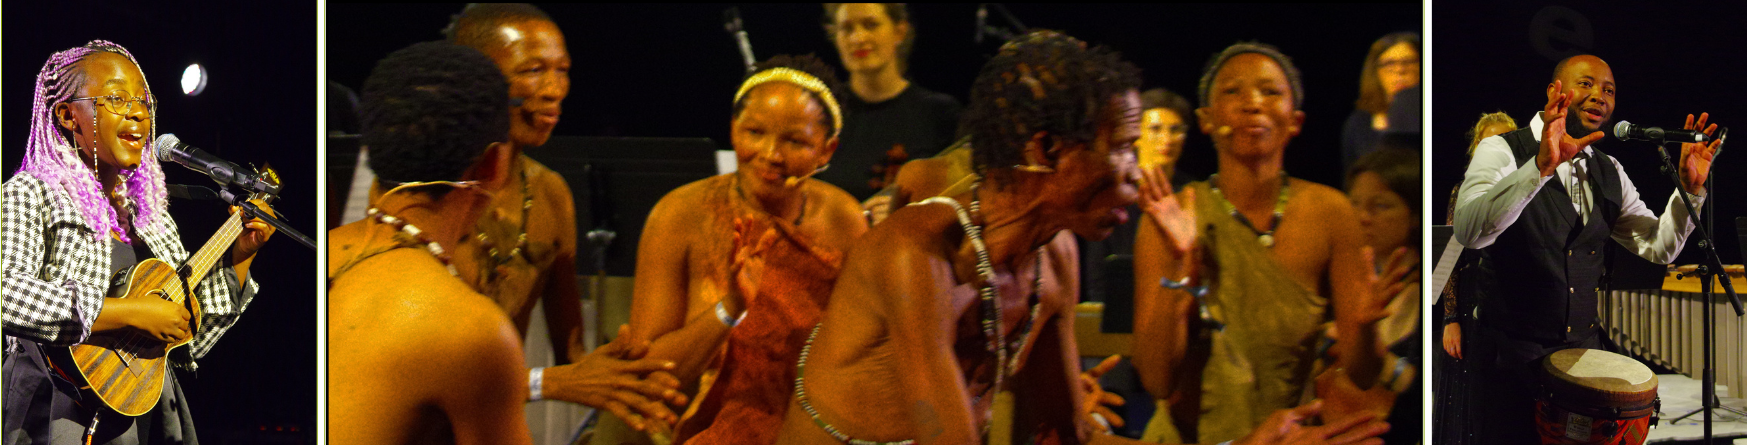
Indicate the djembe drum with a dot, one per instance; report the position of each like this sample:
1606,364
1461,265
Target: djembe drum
1594,397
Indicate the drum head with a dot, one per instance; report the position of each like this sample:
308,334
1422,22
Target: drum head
1599,381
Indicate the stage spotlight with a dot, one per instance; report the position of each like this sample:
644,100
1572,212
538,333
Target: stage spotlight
194,80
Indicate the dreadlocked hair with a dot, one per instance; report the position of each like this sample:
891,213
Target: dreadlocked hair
476,24
52,157
1043,81
806,63
430,110
1241,48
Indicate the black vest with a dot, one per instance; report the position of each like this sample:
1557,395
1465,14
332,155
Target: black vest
1540,280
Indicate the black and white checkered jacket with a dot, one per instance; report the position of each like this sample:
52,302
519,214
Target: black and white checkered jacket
57,272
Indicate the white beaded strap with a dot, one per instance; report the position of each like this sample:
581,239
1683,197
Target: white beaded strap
806,405
964,218
728,320
535,377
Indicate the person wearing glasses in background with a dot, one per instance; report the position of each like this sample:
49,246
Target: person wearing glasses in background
1391,67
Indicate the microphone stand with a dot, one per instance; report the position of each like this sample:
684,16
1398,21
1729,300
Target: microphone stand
253,211
601,237
1712,265
984,28
731,23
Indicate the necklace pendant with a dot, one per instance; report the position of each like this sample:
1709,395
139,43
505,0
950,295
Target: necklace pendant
1266,239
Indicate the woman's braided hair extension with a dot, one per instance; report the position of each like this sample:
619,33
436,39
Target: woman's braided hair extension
52,157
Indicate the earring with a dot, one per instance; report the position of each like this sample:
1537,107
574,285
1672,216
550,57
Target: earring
93,142
1034,168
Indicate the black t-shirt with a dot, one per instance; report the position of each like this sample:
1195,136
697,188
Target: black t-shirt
922,121
124,256
1357,138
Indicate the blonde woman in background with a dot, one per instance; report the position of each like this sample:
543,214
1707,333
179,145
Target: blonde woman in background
1490,124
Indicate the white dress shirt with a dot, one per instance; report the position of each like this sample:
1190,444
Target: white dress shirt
1494,193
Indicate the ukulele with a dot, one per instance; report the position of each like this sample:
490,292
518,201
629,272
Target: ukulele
125,368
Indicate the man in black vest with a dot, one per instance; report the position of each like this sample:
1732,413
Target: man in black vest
1540,205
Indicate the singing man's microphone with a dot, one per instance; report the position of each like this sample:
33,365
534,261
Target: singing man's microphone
171,149
1627,131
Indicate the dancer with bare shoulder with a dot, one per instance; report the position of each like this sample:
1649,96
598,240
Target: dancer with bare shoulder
522,251
1272,259
732,270
948,301
416,355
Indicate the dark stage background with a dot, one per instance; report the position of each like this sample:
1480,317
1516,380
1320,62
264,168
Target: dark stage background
1499,56
671,70
258,384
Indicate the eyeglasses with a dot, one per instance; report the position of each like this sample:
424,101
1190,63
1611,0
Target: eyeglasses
1385,64
122,104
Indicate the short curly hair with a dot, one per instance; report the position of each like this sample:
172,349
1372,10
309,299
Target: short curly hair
476,24
811,65
430,110
1041,81
1242,48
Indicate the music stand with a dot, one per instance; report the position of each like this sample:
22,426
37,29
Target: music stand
615,181
1441,235
343,150
1118,294
1741,233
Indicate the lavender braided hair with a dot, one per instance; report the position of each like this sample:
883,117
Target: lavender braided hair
49,156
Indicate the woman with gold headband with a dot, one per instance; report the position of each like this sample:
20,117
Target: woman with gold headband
758,247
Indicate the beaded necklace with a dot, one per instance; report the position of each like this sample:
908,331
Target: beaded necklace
416,236
521,236
991,323
1266,238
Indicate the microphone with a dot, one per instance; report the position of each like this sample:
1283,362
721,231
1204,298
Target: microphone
796,180
171,149
731,23
982,21
1628,131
